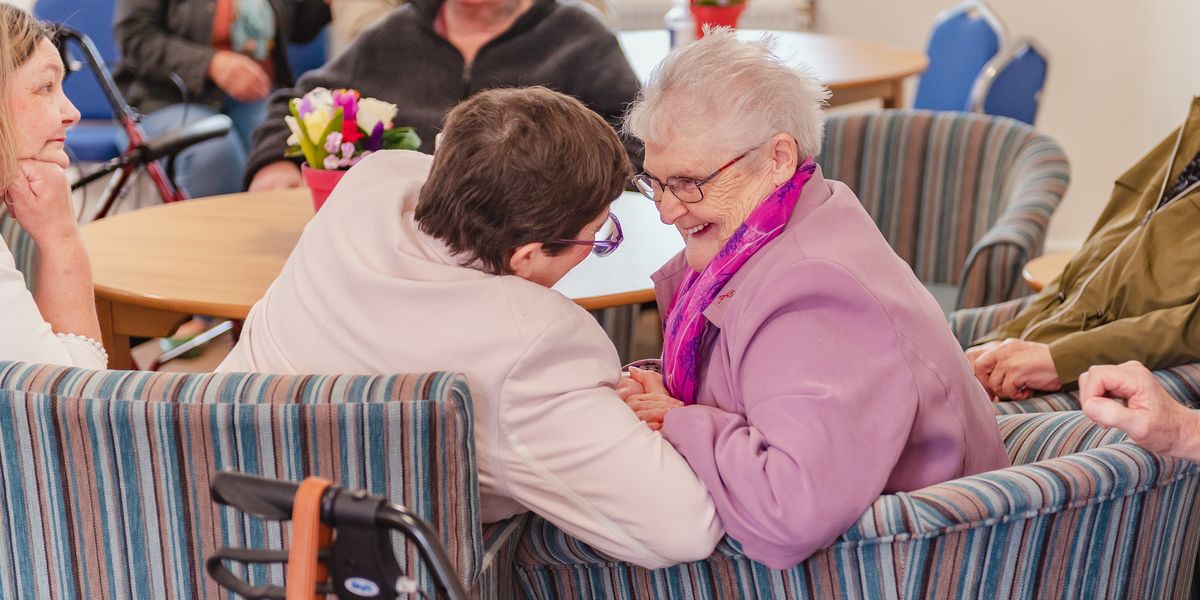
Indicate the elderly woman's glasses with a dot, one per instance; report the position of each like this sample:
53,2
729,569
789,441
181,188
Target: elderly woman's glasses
607,238
688,190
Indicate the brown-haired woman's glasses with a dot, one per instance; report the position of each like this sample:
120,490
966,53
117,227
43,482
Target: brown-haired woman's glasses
607,239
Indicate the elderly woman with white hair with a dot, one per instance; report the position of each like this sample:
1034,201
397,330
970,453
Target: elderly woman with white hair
805,369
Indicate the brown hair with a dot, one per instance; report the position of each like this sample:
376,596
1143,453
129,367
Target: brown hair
20,33
516,166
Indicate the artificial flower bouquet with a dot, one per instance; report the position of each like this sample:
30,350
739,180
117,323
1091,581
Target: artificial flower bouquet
334,130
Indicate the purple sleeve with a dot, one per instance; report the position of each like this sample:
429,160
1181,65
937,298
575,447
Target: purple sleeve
828,402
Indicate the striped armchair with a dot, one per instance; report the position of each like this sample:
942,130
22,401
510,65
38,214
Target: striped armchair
23,249
1083,514
106,474
964,198
968,325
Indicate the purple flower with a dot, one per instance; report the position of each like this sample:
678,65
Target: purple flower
347,150
375,142
333,142
331,162
348,101
305,106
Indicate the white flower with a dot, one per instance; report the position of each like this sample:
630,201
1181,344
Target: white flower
372,112
315,123
294,128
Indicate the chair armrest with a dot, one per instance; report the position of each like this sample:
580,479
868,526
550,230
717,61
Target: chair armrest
992,272
496,568
969,324
1042,491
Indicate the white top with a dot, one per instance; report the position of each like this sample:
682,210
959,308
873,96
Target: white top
25,336
366,292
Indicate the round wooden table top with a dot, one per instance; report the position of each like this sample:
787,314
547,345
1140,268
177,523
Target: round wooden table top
838,62
1043,270
217,256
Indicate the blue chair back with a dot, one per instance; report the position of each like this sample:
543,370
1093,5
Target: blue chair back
964,39
94,18
1011,84
95,137
309,55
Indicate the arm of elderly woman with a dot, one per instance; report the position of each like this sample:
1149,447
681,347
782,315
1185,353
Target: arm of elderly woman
579,458
1129,398
40,200
826,404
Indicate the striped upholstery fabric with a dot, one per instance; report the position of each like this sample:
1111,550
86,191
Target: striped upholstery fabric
1182,382
968,325
1083,515
964,198
106,473
23,249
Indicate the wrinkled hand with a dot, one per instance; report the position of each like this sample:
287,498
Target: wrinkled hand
239,76
1014,369
279,175
39,198
974,352
653,404
628,386
1129,398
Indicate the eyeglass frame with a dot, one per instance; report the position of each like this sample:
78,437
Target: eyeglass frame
698,183
601,247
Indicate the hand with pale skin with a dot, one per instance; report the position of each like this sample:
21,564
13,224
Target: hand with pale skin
279,175
239,76
1014,369
39,198
653,403
1128,397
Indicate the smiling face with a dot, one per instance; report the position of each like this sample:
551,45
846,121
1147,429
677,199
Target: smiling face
728,198
36,101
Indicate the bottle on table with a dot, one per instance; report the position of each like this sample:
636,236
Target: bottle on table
680,26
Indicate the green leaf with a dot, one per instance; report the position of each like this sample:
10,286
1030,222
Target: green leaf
401,138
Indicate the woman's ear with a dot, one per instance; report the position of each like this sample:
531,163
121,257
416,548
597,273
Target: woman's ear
522,263
784,155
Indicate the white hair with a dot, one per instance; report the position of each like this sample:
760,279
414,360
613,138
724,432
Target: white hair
729,94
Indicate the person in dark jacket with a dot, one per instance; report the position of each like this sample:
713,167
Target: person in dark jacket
428,55
184,60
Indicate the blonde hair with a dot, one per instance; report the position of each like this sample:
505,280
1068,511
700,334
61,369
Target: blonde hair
20,33
725,93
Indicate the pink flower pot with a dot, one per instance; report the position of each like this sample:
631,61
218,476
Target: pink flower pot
321,182
716,16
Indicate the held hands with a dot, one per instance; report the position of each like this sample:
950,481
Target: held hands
1014,369
239,76
1129,398
647,397
279,175
39,198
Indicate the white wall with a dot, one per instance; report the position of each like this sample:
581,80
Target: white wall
1121,76
26,4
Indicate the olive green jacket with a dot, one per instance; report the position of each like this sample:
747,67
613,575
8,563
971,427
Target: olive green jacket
1133,290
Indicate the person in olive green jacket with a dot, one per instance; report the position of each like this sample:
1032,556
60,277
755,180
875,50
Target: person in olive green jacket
1131,293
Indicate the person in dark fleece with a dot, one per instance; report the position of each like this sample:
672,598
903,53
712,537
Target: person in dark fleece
428,55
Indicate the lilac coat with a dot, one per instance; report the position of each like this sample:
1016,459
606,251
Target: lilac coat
831,377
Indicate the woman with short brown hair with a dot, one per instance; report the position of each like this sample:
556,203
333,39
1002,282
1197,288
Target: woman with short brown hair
445,263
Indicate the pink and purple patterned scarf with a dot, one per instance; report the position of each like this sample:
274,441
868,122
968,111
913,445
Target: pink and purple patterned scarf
683,328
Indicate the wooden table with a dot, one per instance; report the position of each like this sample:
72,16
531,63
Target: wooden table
154,268
1041,271
853,70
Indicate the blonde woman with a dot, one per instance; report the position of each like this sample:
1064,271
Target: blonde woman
56,324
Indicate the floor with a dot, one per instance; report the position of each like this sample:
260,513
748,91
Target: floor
647,343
